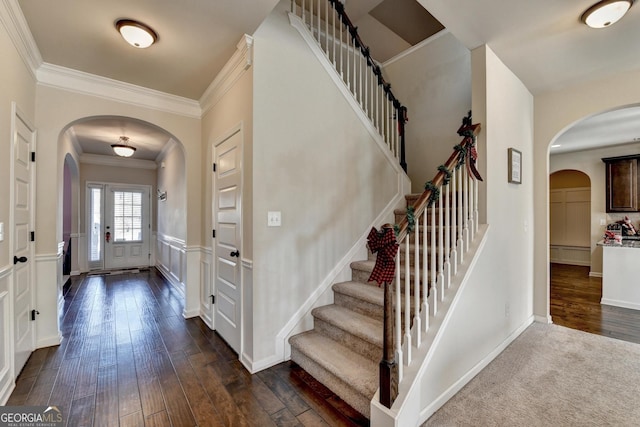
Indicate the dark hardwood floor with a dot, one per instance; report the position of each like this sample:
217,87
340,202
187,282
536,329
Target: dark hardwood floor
129,358
575,303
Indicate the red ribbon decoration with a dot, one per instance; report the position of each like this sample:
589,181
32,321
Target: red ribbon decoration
383,243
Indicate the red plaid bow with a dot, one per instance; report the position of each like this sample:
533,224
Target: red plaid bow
384,243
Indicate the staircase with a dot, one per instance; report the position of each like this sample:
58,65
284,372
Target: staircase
345,347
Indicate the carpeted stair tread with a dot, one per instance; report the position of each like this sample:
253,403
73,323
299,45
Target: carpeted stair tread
356,324
355,371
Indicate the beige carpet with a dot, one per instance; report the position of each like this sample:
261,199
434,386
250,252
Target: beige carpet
552,376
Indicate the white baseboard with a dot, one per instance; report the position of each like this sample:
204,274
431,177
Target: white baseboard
595,274
457,386
617,303
49,341
543,319
6,393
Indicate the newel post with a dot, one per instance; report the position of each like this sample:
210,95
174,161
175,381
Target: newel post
388,368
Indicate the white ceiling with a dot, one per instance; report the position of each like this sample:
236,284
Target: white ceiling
542,41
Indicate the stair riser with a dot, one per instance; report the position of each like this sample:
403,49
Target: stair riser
357,344
343,390
359,306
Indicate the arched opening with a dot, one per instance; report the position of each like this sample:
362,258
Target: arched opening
576,260
113,205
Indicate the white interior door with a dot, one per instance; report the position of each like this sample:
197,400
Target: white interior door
127,225
227,197
23,181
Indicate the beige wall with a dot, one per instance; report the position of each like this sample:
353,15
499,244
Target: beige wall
498,298
17,85
52,120
171,177
434,82
554,113
326,176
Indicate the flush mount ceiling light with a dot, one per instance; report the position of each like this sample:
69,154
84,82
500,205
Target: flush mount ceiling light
605,13
136,33
123,149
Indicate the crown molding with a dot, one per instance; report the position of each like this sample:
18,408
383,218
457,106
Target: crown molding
239,62
13,20
122,162
115,90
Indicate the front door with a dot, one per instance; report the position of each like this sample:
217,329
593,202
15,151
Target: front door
23,179
119,226
227,197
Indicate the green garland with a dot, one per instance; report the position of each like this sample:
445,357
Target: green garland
435,193
411,222
447,174
463,153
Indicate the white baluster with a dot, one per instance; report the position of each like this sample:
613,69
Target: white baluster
333,41
459,242
407,302
465,181
416,288
447,235
304,13
399,357
326,26
454,221
434,272
366,88
472,221
425,272
318,25
440,246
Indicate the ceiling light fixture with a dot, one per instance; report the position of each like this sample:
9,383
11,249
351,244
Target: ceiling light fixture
123,149
605,12
136,33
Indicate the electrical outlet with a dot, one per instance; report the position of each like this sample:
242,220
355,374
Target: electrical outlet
274,219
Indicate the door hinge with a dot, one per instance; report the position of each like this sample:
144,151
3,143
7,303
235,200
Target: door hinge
213,299
214,234
214,167
33,314
33,156
33,236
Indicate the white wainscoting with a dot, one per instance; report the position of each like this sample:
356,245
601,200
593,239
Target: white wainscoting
6,347
49,300
171,260
573,255
77,252
206,288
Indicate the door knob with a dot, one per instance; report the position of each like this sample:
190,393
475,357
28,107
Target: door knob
21,259
236,253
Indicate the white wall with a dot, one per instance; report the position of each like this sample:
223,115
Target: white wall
498,298
433,80
314,162
171,177
554,113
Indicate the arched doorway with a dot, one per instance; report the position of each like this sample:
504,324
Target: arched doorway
570,218
156,167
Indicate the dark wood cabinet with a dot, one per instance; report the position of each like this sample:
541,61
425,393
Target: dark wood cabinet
622,183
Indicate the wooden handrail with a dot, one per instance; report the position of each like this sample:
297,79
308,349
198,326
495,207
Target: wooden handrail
421,203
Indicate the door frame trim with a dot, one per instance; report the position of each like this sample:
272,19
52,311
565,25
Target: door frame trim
104,185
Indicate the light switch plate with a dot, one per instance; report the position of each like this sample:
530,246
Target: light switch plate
274,219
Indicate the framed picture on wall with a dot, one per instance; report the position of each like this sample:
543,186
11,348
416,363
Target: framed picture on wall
515,166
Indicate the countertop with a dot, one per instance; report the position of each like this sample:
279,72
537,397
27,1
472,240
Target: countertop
626,243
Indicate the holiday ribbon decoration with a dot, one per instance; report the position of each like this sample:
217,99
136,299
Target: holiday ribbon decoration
383,243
